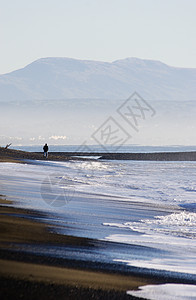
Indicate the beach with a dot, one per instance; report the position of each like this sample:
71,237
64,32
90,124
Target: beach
62,237
32,275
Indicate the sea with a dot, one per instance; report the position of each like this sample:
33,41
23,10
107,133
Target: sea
148,208
130,148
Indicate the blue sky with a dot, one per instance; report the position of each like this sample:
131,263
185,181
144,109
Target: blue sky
104,30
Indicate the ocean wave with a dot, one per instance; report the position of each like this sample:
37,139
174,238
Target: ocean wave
181,224
189,189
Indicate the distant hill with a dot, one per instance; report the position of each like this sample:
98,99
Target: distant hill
63,78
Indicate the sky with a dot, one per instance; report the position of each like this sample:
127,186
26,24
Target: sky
104,30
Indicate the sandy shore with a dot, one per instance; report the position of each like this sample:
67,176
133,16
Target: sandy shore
33,276
11,155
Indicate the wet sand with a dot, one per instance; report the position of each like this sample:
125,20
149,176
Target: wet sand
32,276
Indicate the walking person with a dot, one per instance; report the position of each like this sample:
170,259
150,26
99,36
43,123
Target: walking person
45,148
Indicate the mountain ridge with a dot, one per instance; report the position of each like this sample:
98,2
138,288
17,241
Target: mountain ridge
63,78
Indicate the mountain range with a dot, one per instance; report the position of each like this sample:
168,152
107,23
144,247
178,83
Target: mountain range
67,78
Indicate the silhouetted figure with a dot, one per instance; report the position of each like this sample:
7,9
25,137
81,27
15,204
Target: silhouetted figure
45,148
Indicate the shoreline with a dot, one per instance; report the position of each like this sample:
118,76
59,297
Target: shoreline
155,156
23,270
11,155
29,270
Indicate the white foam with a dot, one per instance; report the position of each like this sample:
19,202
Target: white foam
172,264
157,240
167,291
182,224
87,157
178,224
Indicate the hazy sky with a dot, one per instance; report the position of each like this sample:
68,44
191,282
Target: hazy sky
97,29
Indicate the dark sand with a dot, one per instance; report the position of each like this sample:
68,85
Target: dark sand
10,155
155,156
32,276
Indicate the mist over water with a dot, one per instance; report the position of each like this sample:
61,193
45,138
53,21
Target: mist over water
74,121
